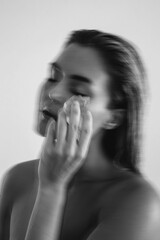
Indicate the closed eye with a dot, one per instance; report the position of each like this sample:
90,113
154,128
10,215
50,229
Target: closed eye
79,94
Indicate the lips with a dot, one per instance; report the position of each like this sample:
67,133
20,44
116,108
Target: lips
47,113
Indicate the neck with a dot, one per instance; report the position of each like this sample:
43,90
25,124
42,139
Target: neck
96,166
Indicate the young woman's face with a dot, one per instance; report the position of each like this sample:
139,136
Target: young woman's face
77,71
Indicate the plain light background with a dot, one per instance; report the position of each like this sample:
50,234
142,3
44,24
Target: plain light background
32,33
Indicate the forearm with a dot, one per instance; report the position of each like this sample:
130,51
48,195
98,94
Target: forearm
46,217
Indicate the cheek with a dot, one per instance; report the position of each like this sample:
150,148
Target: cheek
100,116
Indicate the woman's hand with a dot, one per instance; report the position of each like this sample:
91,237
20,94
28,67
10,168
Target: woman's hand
61,158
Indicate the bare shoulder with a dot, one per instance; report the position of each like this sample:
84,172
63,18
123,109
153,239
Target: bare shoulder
138,188
18,178
132,202
15,183
132,188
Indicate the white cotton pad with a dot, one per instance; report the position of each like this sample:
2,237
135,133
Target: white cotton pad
83,101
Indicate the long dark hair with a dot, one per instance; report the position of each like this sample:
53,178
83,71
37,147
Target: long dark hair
126,70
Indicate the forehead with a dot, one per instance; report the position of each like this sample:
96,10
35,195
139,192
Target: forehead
84,61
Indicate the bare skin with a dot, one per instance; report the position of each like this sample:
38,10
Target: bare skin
79,195
82,214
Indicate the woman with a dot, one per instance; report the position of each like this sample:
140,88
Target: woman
87,183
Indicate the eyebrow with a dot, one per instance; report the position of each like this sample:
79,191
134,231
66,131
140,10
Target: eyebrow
80,78
76,77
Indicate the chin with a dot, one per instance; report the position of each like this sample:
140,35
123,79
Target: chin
41,132
40,127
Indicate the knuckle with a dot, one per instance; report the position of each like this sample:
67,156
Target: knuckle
86,131
74,127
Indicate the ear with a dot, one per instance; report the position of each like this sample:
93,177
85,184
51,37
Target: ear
116,120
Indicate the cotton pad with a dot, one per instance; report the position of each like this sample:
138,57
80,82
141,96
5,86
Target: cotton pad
83,101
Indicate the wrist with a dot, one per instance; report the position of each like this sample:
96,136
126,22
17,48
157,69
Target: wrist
54,190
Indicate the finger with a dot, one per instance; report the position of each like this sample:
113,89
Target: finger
85,134
51,132
61,131
73,128
50,136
